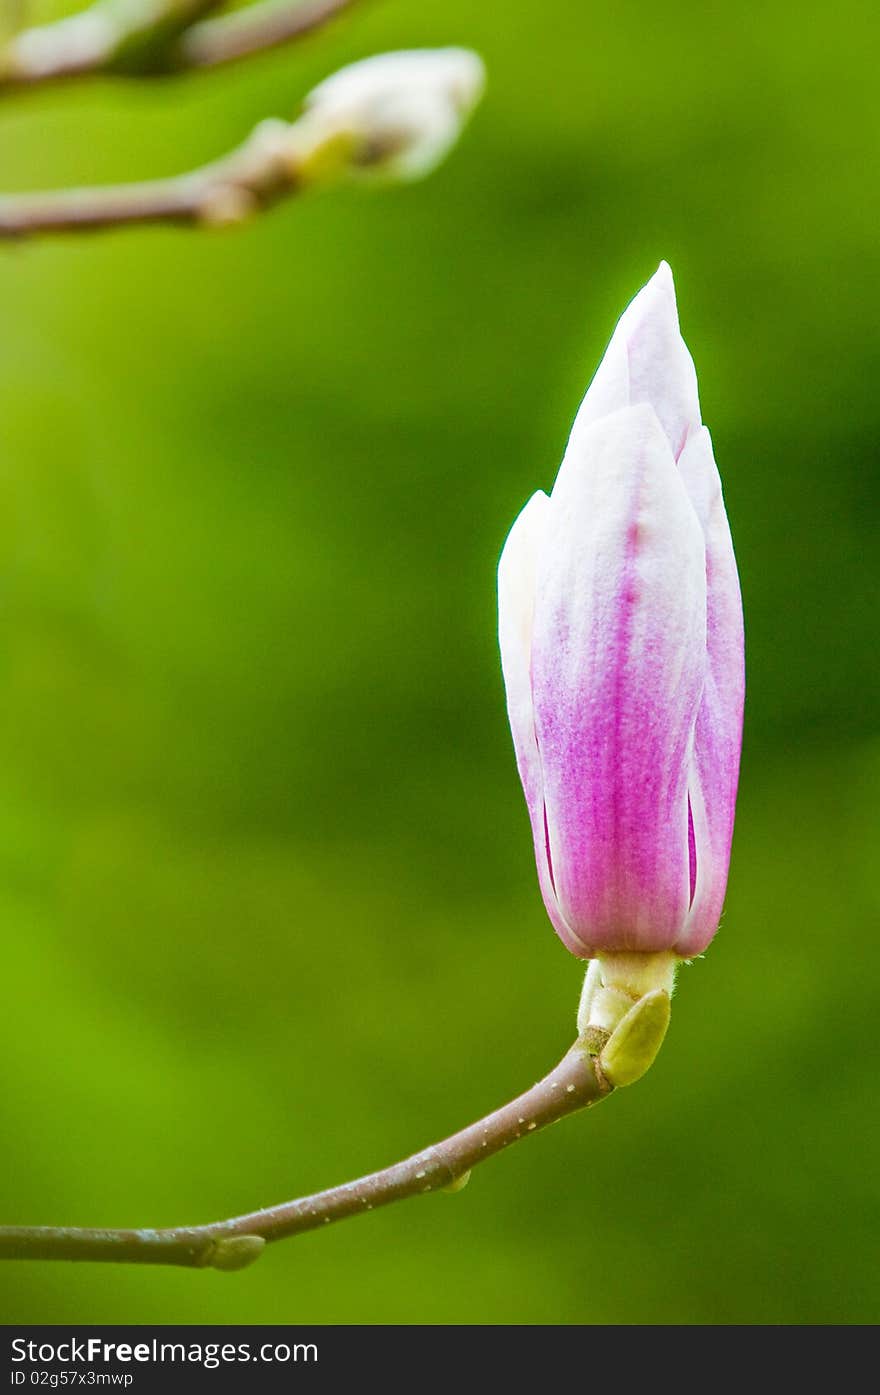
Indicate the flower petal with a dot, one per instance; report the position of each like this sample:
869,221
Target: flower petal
647,361
618,657
516,605
718,737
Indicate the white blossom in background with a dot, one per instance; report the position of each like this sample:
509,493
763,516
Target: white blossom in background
394,115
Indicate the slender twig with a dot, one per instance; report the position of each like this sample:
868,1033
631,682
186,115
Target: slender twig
398,125
576,1082
156,37
251,178
213,42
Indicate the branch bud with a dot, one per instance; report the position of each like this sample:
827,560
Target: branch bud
633,1045
235,1252
393,116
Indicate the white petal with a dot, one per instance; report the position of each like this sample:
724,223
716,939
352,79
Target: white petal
647,361
516,610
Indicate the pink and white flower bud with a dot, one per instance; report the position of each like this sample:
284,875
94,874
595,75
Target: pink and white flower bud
621,634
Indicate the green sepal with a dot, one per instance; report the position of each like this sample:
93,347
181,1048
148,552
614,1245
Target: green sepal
633,1045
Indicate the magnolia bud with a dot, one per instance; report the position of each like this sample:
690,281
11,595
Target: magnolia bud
621,635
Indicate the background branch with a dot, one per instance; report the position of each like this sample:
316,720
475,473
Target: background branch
164,36
251,178
576,1082
392,117
263,26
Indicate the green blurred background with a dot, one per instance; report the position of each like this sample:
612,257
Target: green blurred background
269,909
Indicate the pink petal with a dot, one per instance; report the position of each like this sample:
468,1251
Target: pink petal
618,657
715,762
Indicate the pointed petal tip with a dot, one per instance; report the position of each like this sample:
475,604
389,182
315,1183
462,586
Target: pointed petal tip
653,309
662,283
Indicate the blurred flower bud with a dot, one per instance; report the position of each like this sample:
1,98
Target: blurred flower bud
621,638
392,116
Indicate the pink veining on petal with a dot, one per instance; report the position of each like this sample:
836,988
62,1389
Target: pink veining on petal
617,671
